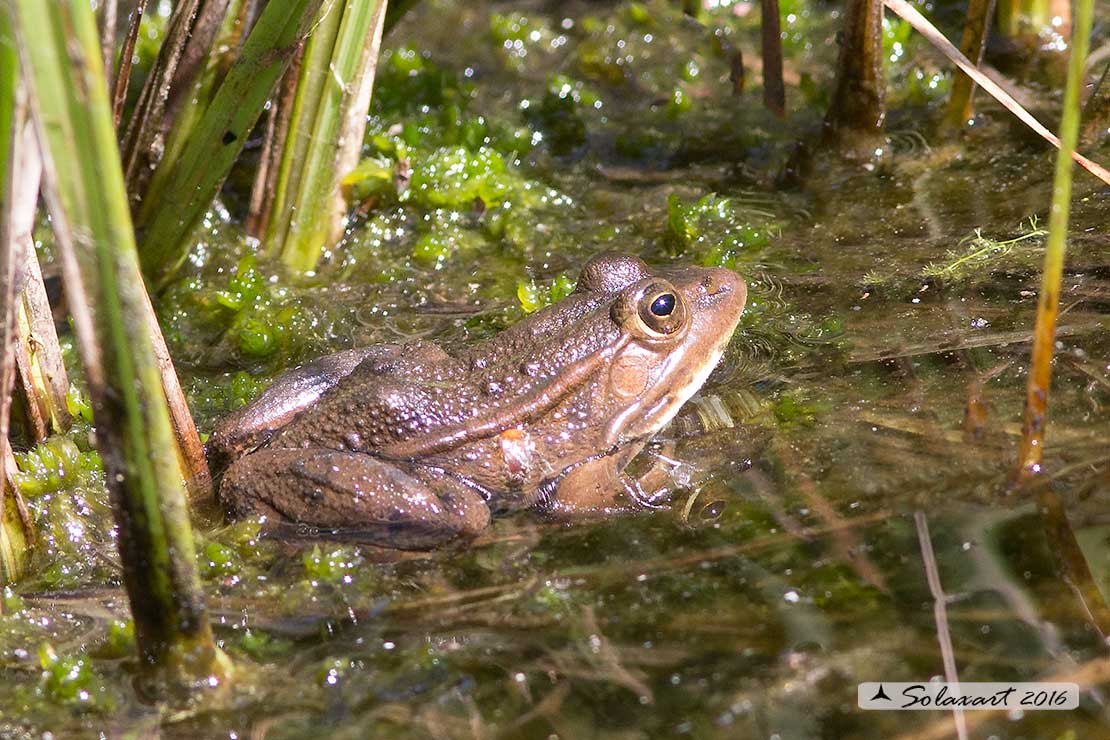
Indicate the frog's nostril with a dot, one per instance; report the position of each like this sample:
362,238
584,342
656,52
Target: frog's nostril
712,284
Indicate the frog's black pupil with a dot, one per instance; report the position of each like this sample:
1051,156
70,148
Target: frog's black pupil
663,305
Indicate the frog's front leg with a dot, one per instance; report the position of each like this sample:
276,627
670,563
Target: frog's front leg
602,485
355,495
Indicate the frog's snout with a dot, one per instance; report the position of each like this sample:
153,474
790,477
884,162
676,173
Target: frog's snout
721,284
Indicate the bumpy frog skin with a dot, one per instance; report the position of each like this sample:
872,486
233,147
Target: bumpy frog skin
407,446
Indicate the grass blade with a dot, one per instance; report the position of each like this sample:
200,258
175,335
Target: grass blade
91,221
1035,418
182,189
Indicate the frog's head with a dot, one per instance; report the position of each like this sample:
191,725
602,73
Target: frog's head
672,327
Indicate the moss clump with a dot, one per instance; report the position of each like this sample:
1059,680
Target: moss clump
443,234
261,646
337,565
794,408
444,183
51,466
120,642
70,680
557,115
522,41
533,297
252,315
713,230
455,177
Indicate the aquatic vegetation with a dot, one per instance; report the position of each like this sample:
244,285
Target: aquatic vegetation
760,572
533,297
335,565
977,252
69,679
51,466
558,117
713,229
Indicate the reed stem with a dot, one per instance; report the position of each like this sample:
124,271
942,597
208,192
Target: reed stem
92,226
770,28
858,98
182,188
1035,418
324,138
42,382
16,535
976,27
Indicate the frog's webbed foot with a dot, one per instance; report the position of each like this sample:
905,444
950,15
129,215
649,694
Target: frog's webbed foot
355,496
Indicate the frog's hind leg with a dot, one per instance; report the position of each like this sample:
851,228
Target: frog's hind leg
355,496
295,390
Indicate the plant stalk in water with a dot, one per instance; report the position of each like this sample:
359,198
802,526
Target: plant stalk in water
42,382
123,76
858,98
770,29
209,54
91,221
182,188
1035,418
979,14
16,534
1017,18
141,143
324,138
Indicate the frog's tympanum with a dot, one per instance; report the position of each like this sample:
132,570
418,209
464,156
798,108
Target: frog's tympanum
408,446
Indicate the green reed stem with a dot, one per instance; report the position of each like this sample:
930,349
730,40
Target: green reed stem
15,533
1035,419
182,189
202,92
327,125
974,39
92,225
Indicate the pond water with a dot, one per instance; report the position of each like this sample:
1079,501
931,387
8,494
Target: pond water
859,434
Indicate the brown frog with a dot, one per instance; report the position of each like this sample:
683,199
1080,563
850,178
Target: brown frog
408,446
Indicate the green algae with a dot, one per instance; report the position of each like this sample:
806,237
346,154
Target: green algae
533,297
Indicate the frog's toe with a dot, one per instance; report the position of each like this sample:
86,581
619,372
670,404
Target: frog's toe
353,495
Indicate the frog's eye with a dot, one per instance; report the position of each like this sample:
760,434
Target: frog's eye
663,306
660,310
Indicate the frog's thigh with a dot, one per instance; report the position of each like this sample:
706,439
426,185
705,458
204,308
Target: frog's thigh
289,394
360,495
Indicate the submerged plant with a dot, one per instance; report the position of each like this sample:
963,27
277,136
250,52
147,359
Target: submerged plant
977,252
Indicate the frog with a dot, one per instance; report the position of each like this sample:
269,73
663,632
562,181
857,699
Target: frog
409,446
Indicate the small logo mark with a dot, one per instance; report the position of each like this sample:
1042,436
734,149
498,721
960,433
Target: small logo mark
880,694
